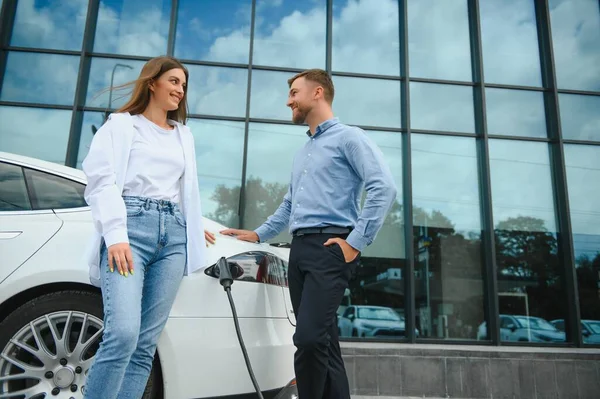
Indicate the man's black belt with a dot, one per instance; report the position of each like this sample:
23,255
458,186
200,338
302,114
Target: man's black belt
321,230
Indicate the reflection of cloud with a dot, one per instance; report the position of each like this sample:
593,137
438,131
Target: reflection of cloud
360,45
37,133
583,175
445,179
438,39
57,24
522,181
140,27
40,78
217,91
509,41
442,107
269,95
100,75
579,116
515,112
369,102
575,33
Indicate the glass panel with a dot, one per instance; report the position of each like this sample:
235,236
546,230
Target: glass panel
13,191
40,78
367,102
366,37
290,33
49,24
530,284
105,70
92,121
579,117
439,45
510,42
583,175
515,113
213,30
575,32
219,154
381,274
269,95
47,128
447,228
53,192
217,91
269,167
442,107
133,27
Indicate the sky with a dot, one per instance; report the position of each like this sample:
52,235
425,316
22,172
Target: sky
365,40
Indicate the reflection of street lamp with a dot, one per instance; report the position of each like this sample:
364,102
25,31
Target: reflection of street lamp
112,78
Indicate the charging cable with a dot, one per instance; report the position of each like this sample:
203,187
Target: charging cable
226,280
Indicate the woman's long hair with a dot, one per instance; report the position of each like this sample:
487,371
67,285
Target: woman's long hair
140,96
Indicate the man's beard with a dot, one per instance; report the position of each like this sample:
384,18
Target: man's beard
299,116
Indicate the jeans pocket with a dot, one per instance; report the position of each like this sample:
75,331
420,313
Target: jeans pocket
134,210
180,218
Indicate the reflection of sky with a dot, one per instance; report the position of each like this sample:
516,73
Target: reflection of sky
509,42
575,33
209,26
515,112
100,75
580,116
521,181
42,23
438,39
40,78
38,133
136,27
442,107
217,91
583,175
445,179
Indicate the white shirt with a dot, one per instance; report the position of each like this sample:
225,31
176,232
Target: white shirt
156,162
106,166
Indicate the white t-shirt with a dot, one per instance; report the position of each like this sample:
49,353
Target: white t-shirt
156,162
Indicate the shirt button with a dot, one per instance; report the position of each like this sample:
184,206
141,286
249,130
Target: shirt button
295,222
309,155
301,188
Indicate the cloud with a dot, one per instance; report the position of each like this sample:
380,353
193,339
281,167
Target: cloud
36,133
58,24
583,174
579,116
575,32
442,107
516,112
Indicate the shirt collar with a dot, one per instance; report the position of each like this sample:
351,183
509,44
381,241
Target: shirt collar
323,127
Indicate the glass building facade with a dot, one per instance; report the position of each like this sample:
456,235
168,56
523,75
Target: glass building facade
487,111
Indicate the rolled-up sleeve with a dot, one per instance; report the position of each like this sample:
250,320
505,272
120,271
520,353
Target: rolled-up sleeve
102,193
367,161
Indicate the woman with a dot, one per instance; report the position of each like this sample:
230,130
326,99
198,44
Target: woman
143,193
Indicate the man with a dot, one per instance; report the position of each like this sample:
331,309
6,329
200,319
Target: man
321,209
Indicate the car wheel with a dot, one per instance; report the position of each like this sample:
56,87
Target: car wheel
354,333
48,345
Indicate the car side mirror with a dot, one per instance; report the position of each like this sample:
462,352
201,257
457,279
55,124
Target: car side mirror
351,317
585,333
512,327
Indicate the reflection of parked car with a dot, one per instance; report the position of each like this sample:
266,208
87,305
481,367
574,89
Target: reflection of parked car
524,328
590,329
51,316
370,321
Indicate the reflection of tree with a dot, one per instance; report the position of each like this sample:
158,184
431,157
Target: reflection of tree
588,278
527,262
262,199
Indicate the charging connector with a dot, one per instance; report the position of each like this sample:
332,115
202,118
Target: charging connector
226,280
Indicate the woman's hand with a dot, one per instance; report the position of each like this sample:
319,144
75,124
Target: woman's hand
209,237
120,255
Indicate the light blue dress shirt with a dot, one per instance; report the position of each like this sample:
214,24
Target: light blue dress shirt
328,177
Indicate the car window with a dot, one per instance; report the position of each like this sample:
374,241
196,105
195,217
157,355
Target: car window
348,312
560,325
13,190
53,192
506,322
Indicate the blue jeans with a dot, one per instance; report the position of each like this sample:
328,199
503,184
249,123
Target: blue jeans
136,307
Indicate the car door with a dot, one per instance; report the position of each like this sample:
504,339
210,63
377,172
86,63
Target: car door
345,322
23,229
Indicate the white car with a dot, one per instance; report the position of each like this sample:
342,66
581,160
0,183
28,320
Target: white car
371,321
51,316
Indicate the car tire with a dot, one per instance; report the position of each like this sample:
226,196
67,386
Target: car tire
354,333
73,309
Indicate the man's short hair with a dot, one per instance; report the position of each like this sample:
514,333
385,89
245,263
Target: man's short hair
320,77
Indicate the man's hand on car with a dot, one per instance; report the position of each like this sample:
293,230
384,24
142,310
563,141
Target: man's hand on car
244,235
